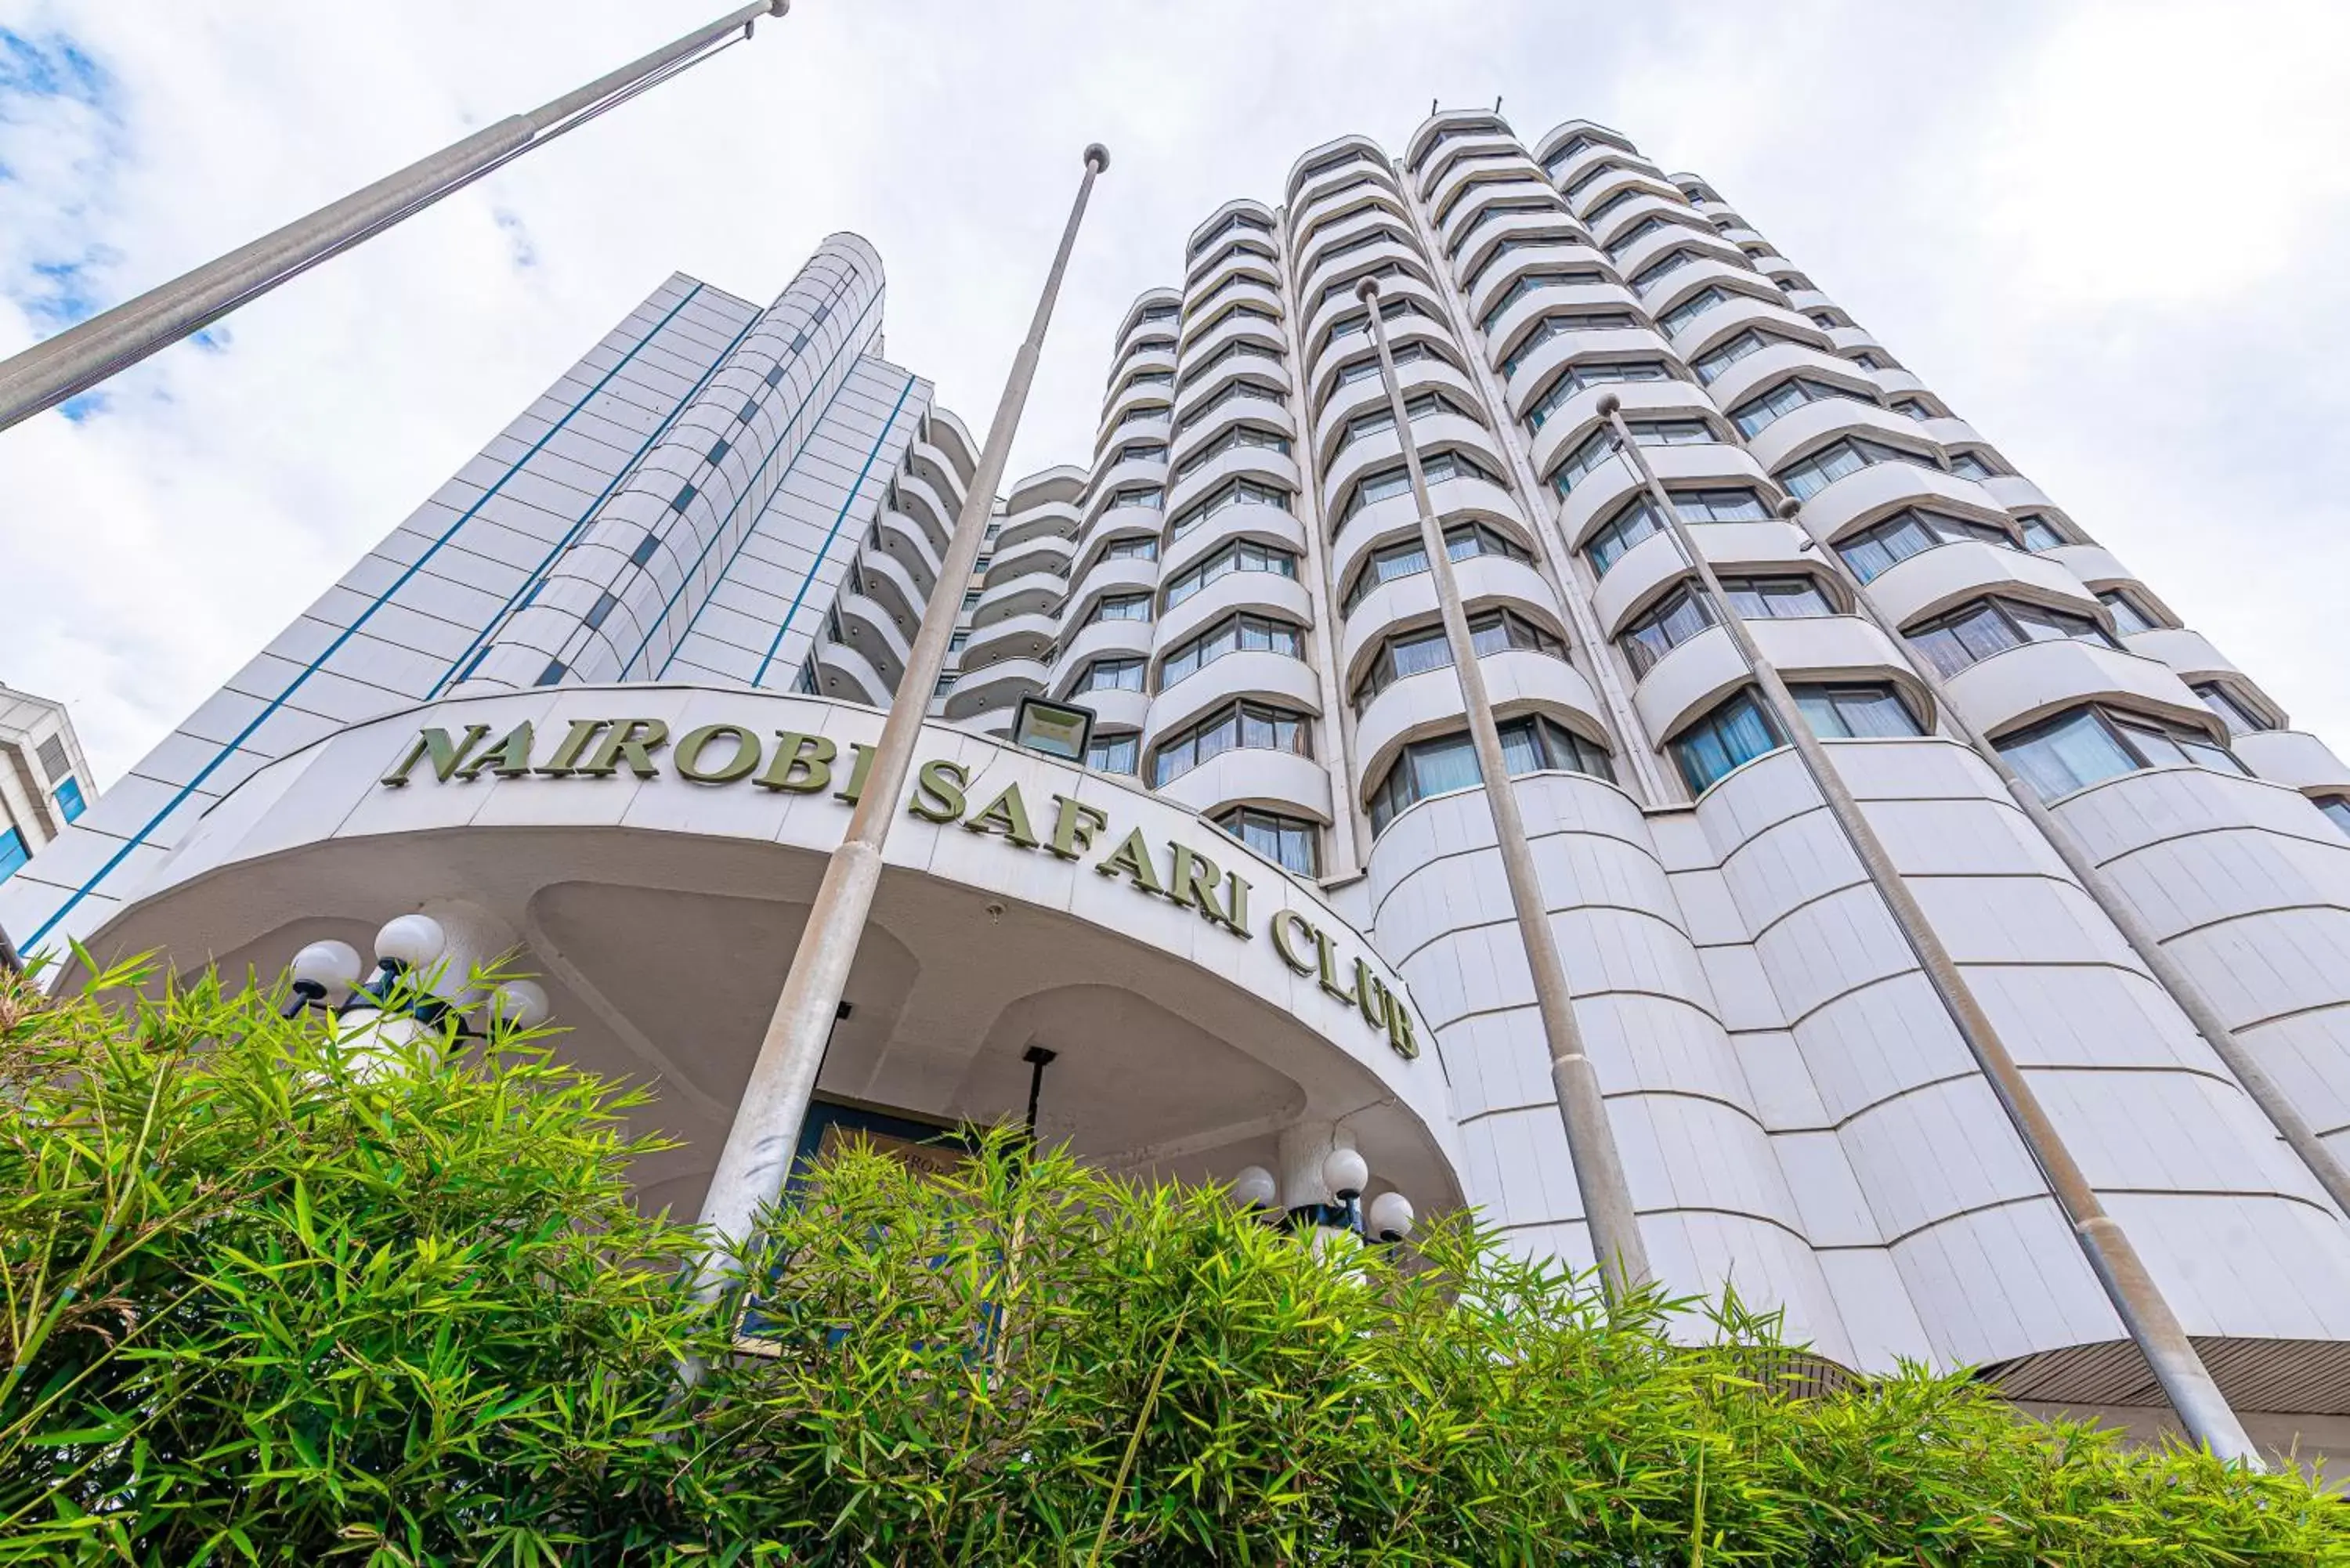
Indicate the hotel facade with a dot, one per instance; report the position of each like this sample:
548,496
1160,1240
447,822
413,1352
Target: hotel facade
601,701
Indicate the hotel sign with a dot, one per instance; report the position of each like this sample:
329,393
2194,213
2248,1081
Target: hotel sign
800,763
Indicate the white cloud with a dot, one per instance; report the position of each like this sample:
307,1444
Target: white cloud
2106,234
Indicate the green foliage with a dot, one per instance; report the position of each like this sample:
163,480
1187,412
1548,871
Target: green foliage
267,1301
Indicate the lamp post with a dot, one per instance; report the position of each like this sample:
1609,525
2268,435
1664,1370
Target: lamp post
408,982
1385,1220
757,1155
82,356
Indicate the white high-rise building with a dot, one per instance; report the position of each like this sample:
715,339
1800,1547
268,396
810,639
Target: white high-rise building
599,702
46,782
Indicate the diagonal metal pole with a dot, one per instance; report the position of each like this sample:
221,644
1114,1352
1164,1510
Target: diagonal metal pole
2145,1315
757,1157
2239,1058
75,360
1590,1139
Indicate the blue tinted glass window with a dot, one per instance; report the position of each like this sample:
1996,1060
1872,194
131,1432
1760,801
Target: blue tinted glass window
69,799
13,852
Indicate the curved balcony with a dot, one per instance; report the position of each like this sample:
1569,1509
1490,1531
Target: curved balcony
1125,475
1500,167
1383,521
1103,639
1563,255
1028,635
1118,522
2016,493
1575,421
1468,222
893,588
1518,680
1371,393
2093,563
1543,363
1687,279
1808,300
1863,496
1632,214
1264,593
1245,291
841,671
2021,685
1606,488
1622,178
1253,212
2295,759
1211,384
908,544
1136,362
1708,331
1268,524
1031,593
873,631
1260,334
1713,248
1794,434
1363,212
920,502
1047,553
1047,520
1348,158
937,467
1478,147
1260,462
1138,411
1932,581
1271,413
1234,261
1341,204
1136,318
1282,780
1383,449
1768,366
997,686
955,443
1521,225
1646,572
1507,332
1115,711
1273,677
1687,682
1112,575
1485,581
1063,483
2189,654
1344,273
1323,340
1434,337
1591,156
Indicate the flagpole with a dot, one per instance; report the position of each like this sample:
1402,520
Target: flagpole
765,1133
75,360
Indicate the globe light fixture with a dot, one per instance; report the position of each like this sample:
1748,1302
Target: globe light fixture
1254,1187
320,969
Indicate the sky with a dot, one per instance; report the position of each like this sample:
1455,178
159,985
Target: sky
2110,236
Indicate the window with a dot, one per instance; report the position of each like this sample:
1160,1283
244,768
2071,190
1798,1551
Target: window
1648,276
69,801
1360,321
1138,495
1909,532
1287,841
1111,675
947,680
1855,711
1534,282
748,412
2336,808
1559,160
1144,547
1492,257
1236,726
958,640
556,670
12,853
1723,355
1158,313
2039,534
1114,754
1382,417
1140,452
1238,493
1629,193
1236,222
1775,598
643,554
1407,653
1498,210
1756,415
2077,749
1969,465
1596,172
603,607
1240,556
2239,715
1447,764
970,600
1120,607
1240,633
1346,286
1971,635
1355,371
684,498
804,681
1151,378
1850,454
718,450
1406,559
1679,617
1242,349
1913,409
774,376
1579,377
1690,309
1600,446
1636,521
1560,323
1734,735
982,561
2128,620
1242,389
1865,361
1390,483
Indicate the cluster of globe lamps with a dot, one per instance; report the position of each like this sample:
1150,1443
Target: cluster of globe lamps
1386,1219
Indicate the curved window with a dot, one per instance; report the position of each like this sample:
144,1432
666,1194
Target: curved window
1579,377
1690,309
1850,454
1734,733
1149,414
2039,534
1991,626
1114,754
1600,445
2076,749
1970,465
1390,483
1147,378
1120,607
1502,169
1236,222
1558,324
1360,321
1236,726
1447,764
1240,633
1622,198
1391,562
1599,171
1492,258
1355,370
1111,675
1255,389
1238,247
1910,532
1238,436
1287,841
1409,653
1564,155
1637,521
1238,493
1245,348
1237,280
1649,225
1756,415
1143,547
1648,276
2128,619
1240,556
1534,282
1679,617
1417,407
1139,451
1848,712
2336,810
1345,287
1723,354
1359,243
1137,495
1500,209
2239,715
